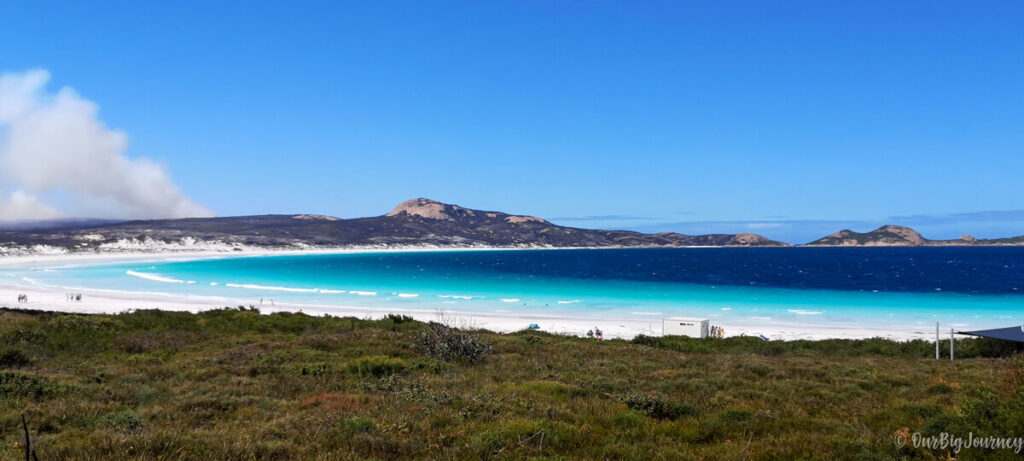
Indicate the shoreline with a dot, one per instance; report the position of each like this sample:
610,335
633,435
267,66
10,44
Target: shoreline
99,301
94,302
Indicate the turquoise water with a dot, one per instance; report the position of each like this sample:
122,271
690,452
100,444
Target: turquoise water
837,287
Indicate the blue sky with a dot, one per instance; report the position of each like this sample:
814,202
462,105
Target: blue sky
789,119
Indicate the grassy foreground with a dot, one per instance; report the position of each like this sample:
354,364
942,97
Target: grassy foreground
234,384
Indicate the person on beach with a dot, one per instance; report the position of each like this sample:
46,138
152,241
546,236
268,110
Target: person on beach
598,333
590,334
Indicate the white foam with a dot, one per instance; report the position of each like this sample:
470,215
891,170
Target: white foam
645,313
213,284
364,293
509,300
271,288
805,312
333,292
569,302
153,277
455,296
408,295
726,308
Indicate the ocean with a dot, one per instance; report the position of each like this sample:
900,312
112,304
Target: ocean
846,287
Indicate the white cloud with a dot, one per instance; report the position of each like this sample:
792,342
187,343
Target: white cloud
55,141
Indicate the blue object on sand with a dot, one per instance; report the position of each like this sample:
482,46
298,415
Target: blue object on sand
534,326
764,337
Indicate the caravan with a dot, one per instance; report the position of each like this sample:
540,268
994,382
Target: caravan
680,326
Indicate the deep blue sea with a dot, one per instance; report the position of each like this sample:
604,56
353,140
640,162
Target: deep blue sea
866,287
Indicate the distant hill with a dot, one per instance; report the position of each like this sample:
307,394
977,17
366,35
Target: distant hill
903,236
53,224
413,223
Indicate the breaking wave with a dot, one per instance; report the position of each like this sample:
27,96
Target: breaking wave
271,288
455,296
153,277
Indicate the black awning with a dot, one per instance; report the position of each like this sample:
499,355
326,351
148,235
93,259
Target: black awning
1015,334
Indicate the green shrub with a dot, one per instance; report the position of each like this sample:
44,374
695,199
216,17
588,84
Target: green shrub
25,337
658,406
450,345
122,419
396,319
147,395
358,425
13,385
314,370
12,357
377,365
735,415
543,389
147,341
965,348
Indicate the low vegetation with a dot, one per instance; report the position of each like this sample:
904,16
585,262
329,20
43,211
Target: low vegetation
452,345
234,384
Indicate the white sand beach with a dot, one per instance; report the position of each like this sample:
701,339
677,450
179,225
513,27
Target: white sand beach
100,301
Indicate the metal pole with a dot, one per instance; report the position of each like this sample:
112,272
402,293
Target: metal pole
936,340
950,344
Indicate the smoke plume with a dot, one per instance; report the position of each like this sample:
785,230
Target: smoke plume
53,144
